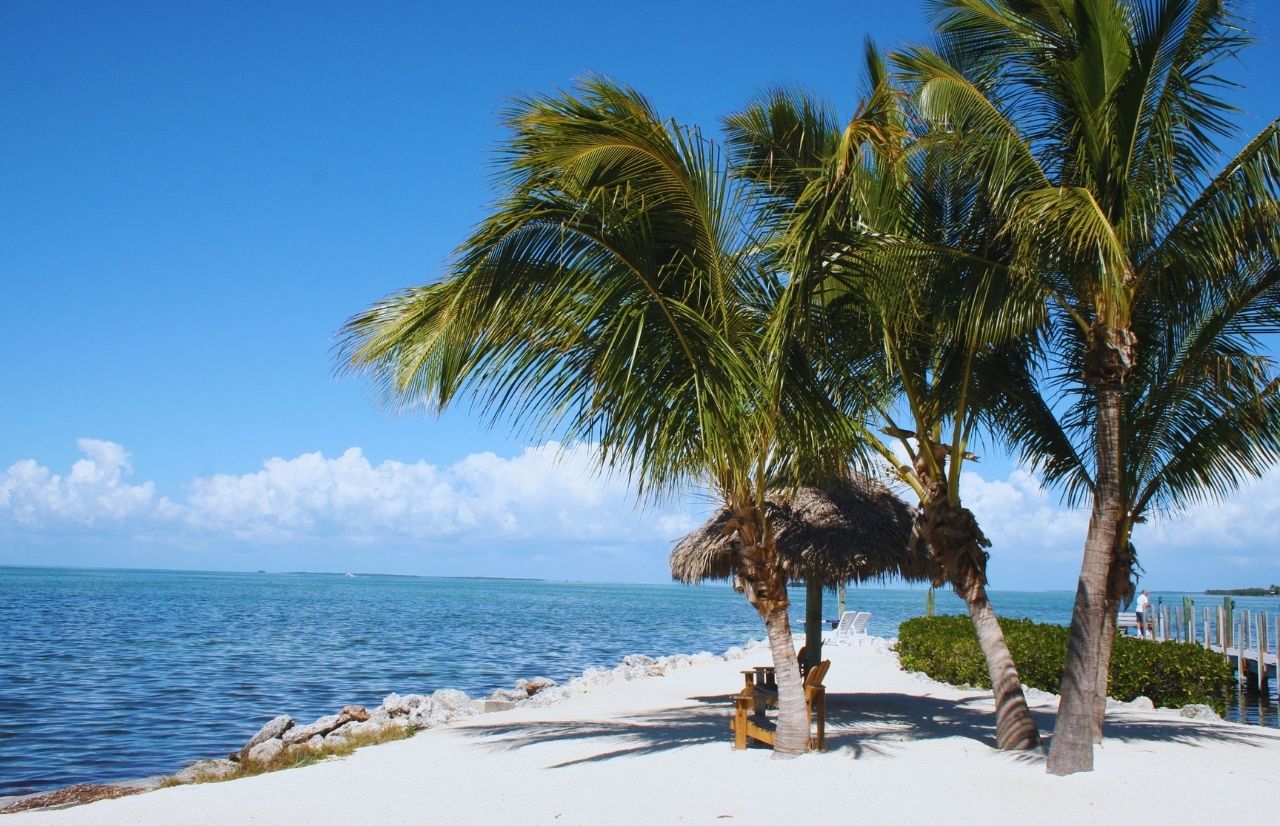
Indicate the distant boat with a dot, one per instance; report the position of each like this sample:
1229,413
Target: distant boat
350,575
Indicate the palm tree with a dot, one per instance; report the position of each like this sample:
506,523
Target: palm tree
616,295
1094,123
1202,414
897,294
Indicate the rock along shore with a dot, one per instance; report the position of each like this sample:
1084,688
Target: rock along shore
282,735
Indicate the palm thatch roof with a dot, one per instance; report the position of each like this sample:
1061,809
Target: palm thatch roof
846,531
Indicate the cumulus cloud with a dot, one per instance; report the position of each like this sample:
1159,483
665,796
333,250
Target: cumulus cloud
92,494
1247,520
554,502
544,493
1037,540
1236,538
1022,519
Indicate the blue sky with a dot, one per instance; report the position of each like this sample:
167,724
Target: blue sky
195,196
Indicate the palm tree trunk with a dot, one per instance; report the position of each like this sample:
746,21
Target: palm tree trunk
957,543
792,736
1015,729
1074,732
1103,679
761,578
1119,589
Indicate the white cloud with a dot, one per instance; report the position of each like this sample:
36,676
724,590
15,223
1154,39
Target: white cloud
1235,542
92,494
1248,520
1037,543
554,503
544,493
1022,519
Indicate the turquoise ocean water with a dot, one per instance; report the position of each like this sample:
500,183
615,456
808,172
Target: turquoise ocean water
110,674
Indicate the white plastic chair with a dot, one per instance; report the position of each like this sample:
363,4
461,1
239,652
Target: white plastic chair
852,627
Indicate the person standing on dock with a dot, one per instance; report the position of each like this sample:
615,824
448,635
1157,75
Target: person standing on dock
1143,611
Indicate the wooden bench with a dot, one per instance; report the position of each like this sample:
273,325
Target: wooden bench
1127,619
760,692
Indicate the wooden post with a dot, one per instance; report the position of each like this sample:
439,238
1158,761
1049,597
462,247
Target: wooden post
812,623
1261,621
742,705
1241,670
1164,623
1179,623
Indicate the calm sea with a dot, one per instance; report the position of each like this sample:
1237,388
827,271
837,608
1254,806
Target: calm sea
110,675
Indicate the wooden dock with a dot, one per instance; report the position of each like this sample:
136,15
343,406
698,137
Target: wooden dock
1248,641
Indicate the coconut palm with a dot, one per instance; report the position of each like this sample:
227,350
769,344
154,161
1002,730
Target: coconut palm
897,293
616,296
1201,415
1095,125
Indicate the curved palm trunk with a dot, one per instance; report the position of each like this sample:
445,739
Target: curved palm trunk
1106,365
1015,729
761,578
1102,680
957,545
1118,585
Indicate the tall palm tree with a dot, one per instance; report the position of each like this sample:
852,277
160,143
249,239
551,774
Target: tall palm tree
896,291
1201,415
1095,124
617,295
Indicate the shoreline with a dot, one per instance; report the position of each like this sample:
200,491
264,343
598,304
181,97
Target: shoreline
547,692
609,739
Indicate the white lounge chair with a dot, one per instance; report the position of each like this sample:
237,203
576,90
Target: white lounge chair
852,627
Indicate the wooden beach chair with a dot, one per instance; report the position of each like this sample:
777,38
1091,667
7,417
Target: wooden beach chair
853,626
750,703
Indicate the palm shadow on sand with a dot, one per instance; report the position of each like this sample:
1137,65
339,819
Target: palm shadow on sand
858,725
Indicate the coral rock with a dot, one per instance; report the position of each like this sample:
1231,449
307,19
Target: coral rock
274,728
450,699
321,727
1199,711
206,769
265,752
399,706
532,687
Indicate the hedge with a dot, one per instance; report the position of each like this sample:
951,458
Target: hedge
1170,673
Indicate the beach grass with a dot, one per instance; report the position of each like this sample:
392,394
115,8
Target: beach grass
295,757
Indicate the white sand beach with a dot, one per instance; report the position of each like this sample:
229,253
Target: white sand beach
900,749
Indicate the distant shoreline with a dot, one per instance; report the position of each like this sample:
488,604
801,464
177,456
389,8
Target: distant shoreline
1243,592
264,572
400,576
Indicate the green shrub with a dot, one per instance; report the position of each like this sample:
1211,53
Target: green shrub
1170,673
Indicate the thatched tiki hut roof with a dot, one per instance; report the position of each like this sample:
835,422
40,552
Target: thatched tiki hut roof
846,531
